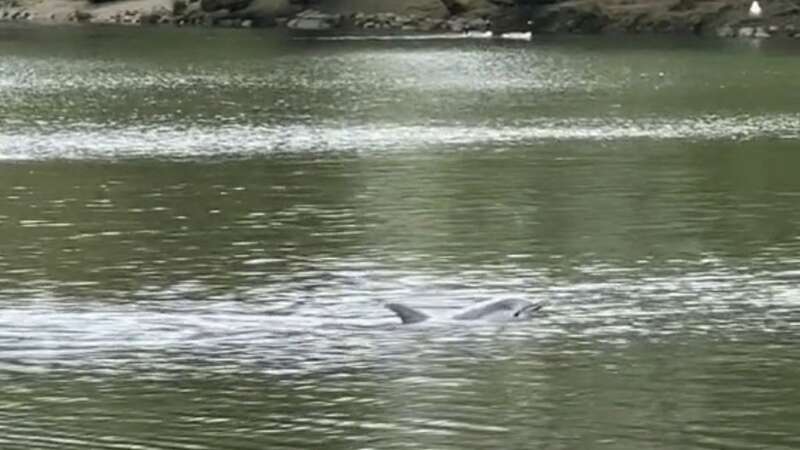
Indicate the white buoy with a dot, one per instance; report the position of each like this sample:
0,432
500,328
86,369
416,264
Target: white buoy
755,9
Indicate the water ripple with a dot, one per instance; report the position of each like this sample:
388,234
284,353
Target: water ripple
91,142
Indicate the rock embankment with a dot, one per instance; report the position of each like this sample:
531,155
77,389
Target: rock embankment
724,18
314,20
407,15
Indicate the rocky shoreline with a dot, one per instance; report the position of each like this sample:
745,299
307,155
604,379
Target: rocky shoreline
219,13
723,18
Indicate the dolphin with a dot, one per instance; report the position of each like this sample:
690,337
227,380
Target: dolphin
504,310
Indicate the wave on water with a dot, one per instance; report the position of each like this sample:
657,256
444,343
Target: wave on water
277,330
98,141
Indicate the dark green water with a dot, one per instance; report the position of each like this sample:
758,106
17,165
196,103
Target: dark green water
198,229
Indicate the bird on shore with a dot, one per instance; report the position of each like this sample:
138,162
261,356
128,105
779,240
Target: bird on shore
755,9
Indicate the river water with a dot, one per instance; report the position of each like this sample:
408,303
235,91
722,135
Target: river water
199,229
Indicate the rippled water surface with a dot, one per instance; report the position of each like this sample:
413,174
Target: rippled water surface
199,229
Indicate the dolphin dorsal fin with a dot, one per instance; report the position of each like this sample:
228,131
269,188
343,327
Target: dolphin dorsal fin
407,315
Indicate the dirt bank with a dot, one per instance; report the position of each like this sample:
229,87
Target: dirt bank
726,18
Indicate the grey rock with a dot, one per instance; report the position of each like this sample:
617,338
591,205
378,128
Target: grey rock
457,24
746,32
761,33
725,32
407,20
431,24
479,24
457,27
315,20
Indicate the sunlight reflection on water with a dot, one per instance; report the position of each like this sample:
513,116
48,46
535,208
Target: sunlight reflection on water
82,142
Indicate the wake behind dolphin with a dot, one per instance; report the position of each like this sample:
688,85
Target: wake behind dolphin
505,310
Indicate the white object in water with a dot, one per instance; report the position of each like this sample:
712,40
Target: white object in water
518,35
478,34
755,9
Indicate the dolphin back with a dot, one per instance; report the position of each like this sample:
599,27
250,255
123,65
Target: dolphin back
407,315
503,309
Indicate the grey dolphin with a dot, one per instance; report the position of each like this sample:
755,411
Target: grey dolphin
508,309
